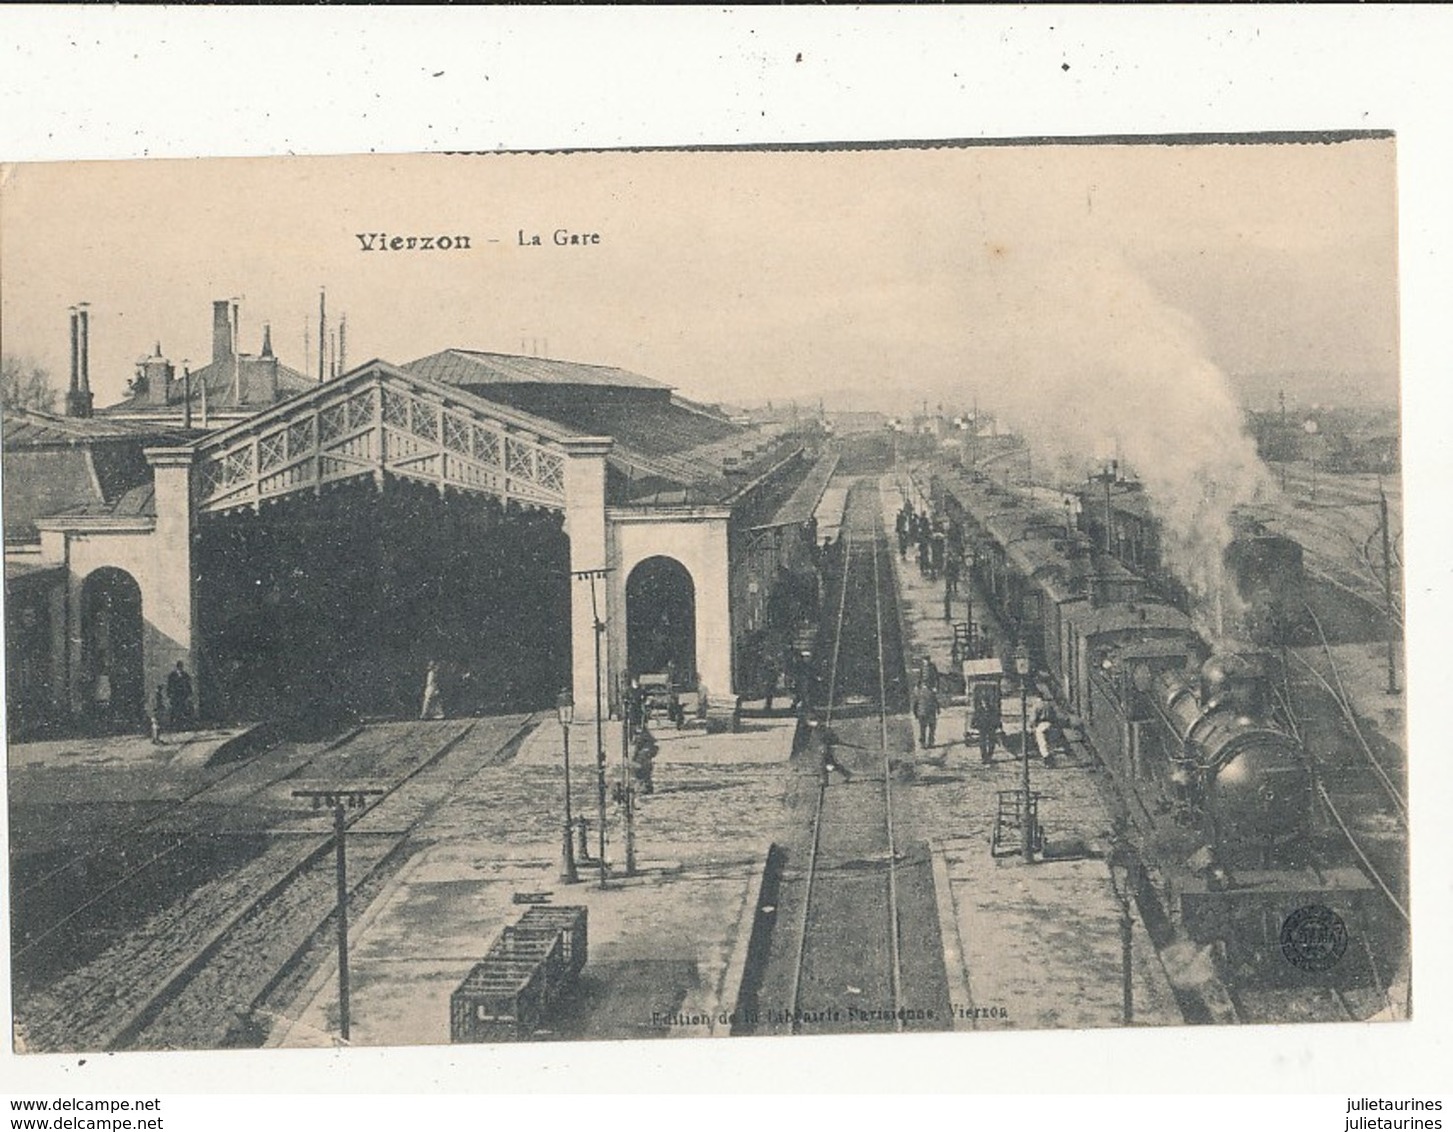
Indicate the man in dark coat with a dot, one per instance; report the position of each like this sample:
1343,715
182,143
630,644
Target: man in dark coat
179,695
925,710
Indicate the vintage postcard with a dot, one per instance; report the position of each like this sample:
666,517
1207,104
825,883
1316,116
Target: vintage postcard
704,593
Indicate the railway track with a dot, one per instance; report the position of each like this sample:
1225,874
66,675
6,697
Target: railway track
180,826
1394,811
851,966
198,965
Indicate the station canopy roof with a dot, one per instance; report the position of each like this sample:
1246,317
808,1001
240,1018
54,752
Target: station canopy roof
482,367
802,504
669,450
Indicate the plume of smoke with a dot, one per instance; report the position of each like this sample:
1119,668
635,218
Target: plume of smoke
1087,358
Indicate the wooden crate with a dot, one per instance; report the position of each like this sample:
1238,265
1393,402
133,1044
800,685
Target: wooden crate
499,1000
570,921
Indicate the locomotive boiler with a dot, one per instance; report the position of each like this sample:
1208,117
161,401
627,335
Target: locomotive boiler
1244,773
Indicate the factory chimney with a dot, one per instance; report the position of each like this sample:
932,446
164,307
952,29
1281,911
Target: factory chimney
222,338
79,400
322,334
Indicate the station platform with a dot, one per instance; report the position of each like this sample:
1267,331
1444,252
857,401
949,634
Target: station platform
1027,946
831,508
123,768
665,946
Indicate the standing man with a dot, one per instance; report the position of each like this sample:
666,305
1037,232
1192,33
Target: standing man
986,723
433,706
643,760
925,710
179,695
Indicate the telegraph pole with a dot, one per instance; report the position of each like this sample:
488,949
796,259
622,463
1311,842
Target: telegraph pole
339,799
1392,676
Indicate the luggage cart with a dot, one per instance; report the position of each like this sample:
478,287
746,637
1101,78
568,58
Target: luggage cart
982,690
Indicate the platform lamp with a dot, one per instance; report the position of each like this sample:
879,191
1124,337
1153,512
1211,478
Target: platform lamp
565,711
1026,824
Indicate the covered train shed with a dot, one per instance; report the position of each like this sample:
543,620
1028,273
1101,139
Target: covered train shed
494,515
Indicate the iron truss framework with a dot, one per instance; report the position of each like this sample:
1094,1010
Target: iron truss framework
383,425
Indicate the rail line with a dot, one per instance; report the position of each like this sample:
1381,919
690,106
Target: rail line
802,933
185,838
1344,704
113,1008
815,862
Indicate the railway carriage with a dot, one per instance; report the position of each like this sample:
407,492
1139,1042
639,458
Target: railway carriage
1224,790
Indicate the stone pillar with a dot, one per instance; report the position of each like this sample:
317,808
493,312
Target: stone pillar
713,612
586,527
168,591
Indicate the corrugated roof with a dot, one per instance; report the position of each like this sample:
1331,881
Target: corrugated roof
480,367
29,428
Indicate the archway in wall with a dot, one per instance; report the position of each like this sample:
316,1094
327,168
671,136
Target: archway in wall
113,690
317,606
661,619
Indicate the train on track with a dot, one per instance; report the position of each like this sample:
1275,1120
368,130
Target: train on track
1268,581
1267,574
1210,771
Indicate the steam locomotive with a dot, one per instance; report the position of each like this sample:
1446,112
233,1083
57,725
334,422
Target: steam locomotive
1268,575
1206,768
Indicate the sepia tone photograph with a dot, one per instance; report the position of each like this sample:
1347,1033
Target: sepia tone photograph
817,590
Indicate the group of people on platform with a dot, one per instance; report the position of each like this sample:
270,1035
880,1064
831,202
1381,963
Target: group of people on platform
985,716
939,543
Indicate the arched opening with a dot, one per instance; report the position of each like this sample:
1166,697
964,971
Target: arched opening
661,619
335,604
113,692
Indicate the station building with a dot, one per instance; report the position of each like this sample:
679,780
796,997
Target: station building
315,545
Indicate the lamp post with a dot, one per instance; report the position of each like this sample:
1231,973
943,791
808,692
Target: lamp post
599,627
1026,824
565,710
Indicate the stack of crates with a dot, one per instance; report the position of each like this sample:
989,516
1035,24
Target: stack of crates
509,995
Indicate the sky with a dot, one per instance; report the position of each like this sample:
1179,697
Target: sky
869,279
